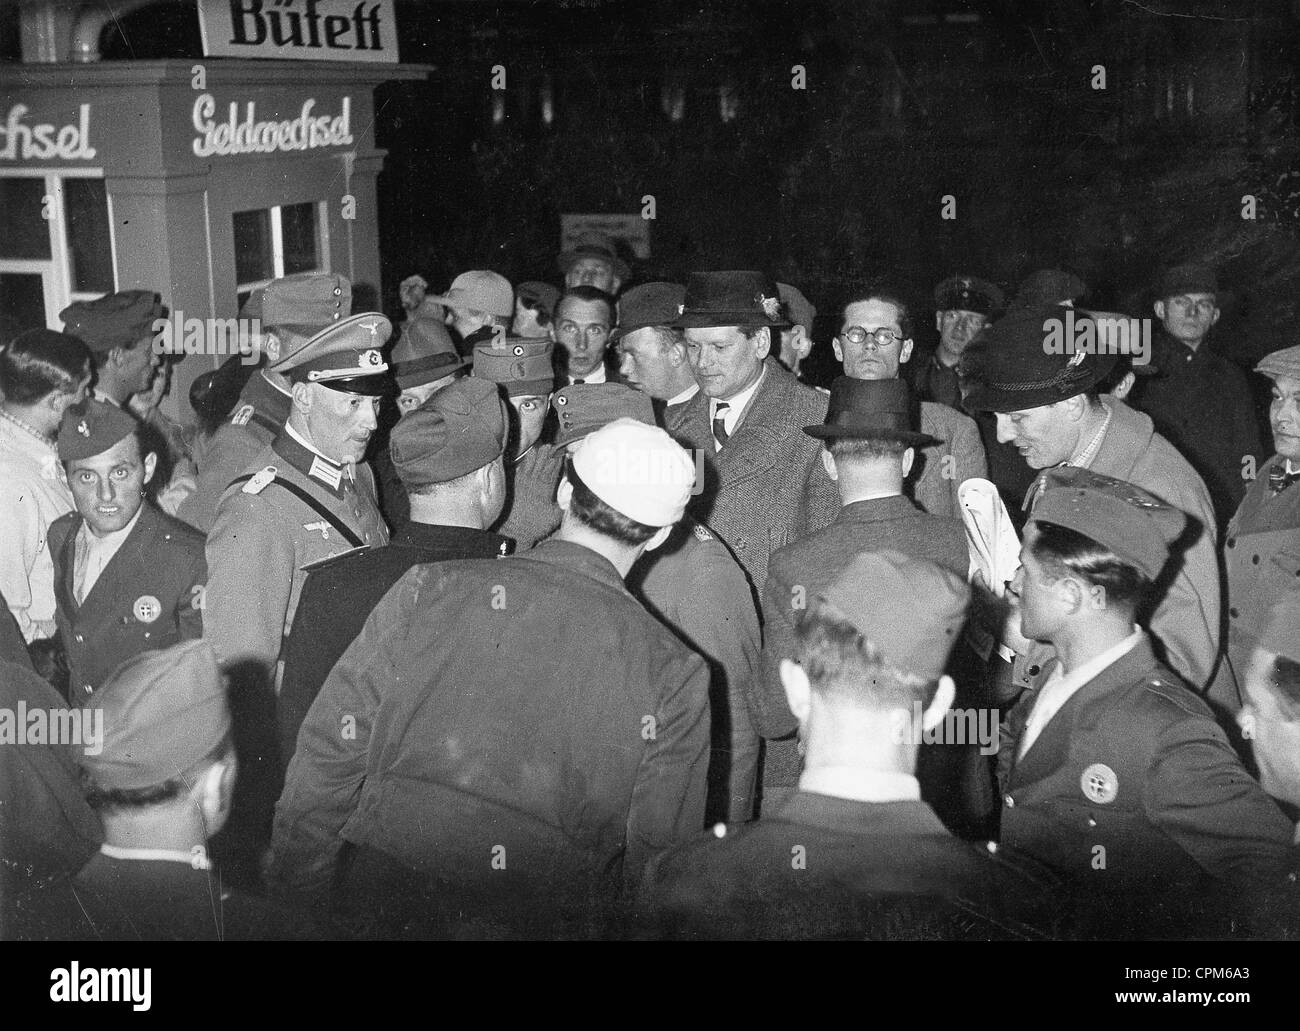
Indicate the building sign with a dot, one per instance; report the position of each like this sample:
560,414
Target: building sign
233,135
22,139
633,229
301,30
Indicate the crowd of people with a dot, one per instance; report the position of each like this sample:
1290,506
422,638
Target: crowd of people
577,612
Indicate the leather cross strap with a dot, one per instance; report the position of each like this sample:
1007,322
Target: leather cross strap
344,531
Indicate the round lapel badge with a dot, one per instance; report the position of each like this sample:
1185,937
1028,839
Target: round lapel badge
1099,784
147,608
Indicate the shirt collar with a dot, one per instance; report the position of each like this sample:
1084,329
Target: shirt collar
596,375
111,541
197,858
684,396
29,430
860,785
1078,677
99,395
1083,458
307,459
738,402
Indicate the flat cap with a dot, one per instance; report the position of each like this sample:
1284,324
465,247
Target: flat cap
1049,286
164,713
461,428
583,408
911,609
650,304
967,293
424,354
743,298
593,245
345,357
1024,361
522,365
1137,526
91,428
1285,362
295,308
1187,279
872,409
637,470
480,290
114,320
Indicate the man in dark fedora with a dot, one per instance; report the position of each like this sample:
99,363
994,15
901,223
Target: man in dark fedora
871,433
652,354
593,261
1048,404
765,485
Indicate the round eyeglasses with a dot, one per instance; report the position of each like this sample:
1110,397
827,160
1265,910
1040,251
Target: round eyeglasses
882,337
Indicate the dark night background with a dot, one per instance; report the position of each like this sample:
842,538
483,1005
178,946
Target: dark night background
841,183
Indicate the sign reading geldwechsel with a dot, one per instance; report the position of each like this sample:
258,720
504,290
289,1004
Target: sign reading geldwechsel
223,130
301,30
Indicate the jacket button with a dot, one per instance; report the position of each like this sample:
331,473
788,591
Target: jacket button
1232,542
1009,802
1254,559
1033,670
1092,822
1233,613
80,639
88,689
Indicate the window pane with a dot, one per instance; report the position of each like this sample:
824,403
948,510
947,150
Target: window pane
22,303
253,258
86,205
299,226
23,233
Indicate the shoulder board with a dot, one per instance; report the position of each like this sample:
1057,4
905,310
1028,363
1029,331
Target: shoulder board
259,481
1171,690
331,560
822,390
702,535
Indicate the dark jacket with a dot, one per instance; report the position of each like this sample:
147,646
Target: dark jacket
338,597
766,487
1181,809
518,727
149,596
802,569
826,867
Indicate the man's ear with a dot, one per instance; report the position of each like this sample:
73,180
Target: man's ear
302,397
1159,309
1125,385
564,495
904,352
943,698
828,463
660,536
762,342
150,464
1217,313
798,691
909,456
839,351
938,321
614,284
270,344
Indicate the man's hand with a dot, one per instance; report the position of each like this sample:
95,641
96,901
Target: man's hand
999,617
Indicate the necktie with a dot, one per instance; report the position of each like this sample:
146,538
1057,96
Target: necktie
720,433
579,382
1279,479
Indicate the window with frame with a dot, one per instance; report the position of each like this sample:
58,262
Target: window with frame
274,242
56,246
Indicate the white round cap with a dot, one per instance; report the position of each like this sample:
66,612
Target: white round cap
637,470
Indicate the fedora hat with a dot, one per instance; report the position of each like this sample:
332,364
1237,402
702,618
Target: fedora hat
872,409
734,298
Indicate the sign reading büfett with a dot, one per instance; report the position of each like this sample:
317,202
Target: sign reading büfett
300,30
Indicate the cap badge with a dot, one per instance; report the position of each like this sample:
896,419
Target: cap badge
1077,360
241,417
519,350
83,429
1099,784
681,309
771,305
561,400
519,370
369,358
147,608
322,526
372,326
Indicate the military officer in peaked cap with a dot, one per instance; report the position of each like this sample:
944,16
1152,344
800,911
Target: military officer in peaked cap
290,312
1113,772
127,577
963,306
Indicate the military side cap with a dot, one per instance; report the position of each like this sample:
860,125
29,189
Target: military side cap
1281,363
650,304
298,307
1281,634
637,470
480,290
872,409
911,609
746,299
461,428
114,320
424,354
1049,286
583,408
164,713
521,365
1187,279
797,306
593,245
967,293
541,296
1135,525
1013,364
91,428
345,357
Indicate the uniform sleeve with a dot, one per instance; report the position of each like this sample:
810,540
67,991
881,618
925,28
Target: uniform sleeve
189,615
968,456
250,563
667,804
1187,619
324,781
20,519
768,707
1203,798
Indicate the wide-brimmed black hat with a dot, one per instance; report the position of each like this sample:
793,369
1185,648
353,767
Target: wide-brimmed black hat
747,299
872,409
1024,360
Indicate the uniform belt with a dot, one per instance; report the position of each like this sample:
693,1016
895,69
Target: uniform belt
344,531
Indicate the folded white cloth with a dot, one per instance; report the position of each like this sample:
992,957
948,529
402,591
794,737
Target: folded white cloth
994,548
